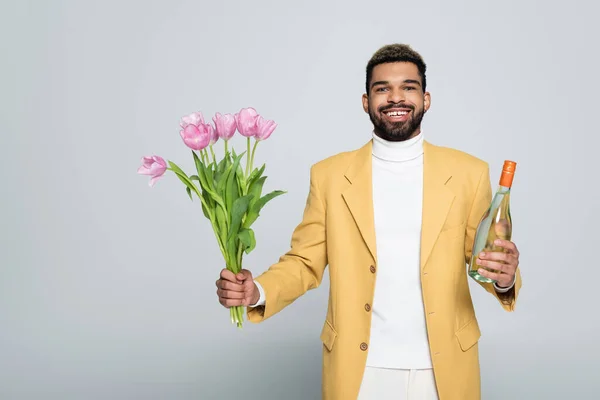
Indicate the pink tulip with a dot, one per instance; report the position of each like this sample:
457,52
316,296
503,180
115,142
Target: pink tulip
246,122
214,136
196,137
265,128
192,119
225,125
154,166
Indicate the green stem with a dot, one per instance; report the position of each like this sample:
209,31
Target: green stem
240,310
248,157
214,225
213,154
239,257
226,146
253,152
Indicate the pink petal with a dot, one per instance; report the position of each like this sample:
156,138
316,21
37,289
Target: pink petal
214,137
195,118
196,138
153,180
157,169
147,161
160,160
265,128
190,131
246,121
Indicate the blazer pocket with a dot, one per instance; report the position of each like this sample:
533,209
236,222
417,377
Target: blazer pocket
328,335
468,335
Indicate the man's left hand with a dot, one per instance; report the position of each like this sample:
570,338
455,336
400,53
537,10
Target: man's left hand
504,263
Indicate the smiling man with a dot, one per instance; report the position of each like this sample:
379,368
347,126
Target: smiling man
395,222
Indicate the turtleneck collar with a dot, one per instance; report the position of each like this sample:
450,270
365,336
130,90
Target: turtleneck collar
398,151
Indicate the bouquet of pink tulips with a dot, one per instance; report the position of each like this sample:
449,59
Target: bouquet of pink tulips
231,195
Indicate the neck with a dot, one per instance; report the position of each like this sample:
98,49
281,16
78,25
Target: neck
398,151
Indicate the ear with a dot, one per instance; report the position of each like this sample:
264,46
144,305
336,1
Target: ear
365,102
427,101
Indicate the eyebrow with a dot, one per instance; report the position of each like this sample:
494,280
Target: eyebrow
413,81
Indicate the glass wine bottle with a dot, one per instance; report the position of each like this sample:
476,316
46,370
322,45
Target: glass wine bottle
496,223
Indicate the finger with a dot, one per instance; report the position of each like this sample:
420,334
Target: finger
493,265
228,294
510,247
244,275
488,274
226,285
508,261
228,275
496,256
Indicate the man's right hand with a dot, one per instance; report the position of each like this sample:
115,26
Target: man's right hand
237,289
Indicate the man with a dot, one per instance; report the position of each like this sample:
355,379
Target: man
395,221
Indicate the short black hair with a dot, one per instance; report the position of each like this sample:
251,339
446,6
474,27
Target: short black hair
396,53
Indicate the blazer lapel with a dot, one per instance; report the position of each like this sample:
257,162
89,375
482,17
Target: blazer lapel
437,198
359,195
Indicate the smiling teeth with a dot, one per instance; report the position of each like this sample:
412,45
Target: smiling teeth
397,113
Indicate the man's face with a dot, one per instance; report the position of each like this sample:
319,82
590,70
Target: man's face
396,102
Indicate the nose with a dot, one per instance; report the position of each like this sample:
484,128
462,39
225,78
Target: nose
396,95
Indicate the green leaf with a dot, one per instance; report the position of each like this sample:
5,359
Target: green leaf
247,239
205,212
208,200
183,177
220,169
222,223
206,181
256,189
210,176
232,192
200,169
257,173
241,180
223,164
254,212
222,186
240,206
189,192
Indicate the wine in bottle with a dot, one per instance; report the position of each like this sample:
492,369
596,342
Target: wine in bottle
496,223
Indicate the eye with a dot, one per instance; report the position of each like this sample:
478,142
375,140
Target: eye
410,88
380,89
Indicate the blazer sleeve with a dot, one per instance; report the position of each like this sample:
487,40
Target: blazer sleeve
302,267
481,201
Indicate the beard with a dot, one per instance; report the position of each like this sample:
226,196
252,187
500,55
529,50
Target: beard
396,131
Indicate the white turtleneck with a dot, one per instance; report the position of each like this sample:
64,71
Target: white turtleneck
398,328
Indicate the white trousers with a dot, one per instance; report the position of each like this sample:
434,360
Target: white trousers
398,384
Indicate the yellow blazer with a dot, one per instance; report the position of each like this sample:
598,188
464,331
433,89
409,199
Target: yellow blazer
337,229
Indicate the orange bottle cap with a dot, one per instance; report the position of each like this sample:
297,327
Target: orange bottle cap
508,173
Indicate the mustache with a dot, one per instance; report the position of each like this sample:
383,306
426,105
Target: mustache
399,105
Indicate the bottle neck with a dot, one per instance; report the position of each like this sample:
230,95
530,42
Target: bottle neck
503,189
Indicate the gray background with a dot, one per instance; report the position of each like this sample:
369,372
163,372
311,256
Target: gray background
107,287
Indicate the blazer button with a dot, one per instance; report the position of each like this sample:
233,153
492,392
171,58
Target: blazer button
367,307
363,346
372,269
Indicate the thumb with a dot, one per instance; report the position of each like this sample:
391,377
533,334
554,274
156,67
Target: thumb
244,275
